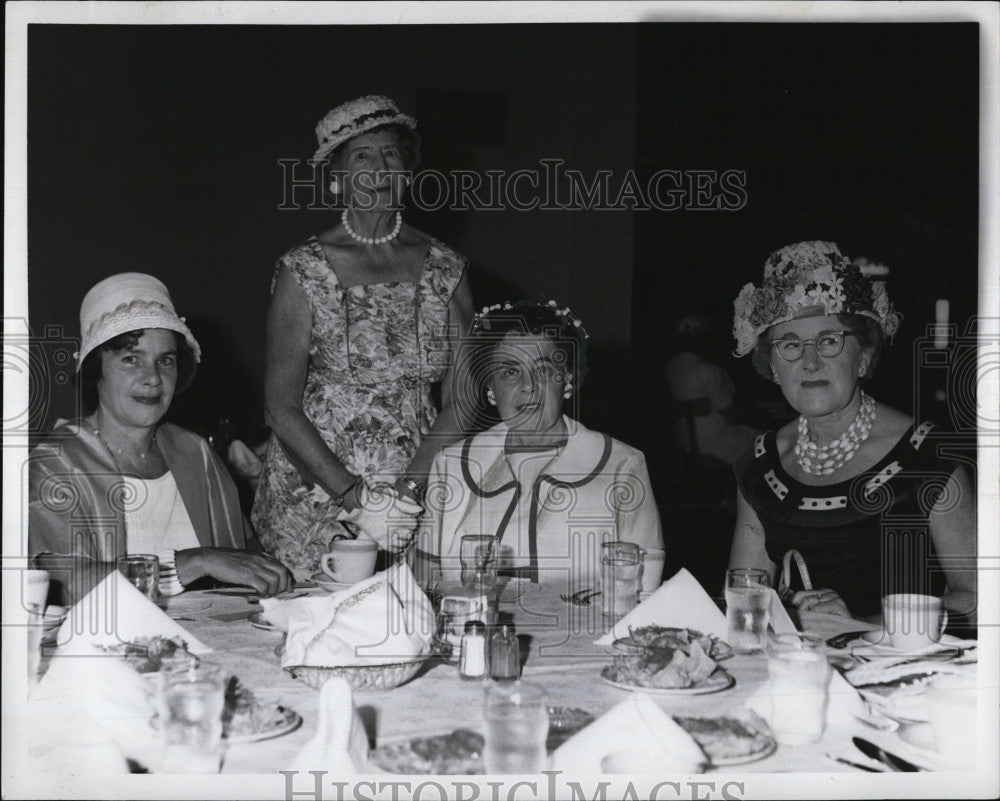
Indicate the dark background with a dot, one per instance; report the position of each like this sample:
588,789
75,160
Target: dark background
155,149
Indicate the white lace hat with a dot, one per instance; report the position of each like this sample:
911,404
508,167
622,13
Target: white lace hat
355,117
128,302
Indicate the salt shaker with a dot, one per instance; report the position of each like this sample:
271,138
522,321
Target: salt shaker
505,656
472,664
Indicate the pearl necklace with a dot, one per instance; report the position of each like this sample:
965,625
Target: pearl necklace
369,240
829,459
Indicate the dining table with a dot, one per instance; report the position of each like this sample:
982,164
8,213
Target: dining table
559,655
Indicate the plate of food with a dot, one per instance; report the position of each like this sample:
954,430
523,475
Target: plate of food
245,719
258,622
672,662
460,752
564,722
664,636
732,739
147,654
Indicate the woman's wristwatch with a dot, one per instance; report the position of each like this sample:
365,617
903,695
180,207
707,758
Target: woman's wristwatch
417,490
339,500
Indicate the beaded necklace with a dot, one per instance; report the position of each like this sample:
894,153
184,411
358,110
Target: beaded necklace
829,459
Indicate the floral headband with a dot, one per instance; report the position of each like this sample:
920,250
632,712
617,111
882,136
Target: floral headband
481,320
805,275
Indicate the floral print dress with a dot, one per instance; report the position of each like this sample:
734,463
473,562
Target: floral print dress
374,352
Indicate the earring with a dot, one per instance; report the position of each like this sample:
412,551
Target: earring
568,390
334,187
862,369
491,397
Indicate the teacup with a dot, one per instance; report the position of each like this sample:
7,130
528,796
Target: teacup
350,561
913,622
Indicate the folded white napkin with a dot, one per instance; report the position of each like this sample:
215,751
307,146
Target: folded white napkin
92,703
115,612
340,744
781,621
381,620
636,724
679,602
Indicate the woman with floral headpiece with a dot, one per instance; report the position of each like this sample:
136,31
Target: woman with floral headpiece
868,497
360,328
550,489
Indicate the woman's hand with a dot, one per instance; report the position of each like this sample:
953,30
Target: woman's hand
824,600
386,518
265,574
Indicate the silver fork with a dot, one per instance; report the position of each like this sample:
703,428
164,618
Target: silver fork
582,597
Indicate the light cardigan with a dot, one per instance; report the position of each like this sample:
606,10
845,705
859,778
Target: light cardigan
75,494
593,489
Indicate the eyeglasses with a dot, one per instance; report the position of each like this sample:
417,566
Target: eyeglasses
828,345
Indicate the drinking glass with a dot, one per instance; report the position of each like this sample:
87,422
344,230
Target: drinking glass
620,580
143,572
36,622
748,606
799,679
192,702
478,553
517,724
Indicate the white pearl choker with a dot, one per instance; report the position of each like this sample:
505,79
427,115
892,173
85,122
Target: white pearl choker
371,240
829,459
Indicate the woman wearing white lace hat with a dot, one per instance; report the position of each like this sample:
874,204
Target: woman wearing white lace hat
361,326
121,480
869,498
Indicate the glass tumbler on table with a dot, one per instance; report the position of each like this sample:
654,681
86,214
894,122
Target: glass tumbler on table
748,606
621,573
142,570
517,724
798,678
478,553
192,700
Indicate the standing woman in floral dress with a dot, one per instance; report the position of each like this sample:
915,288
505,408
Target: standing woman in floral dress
364,319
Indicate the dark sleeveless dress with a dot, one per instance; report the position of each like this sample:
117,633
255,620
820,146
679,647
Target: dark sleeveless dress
865,537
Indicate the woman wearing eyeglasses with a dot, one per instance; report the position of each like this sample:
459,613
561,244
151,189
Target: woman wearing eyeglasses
867,495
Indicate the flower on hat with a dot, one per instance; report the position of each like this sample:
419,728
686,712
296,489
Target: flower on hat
481,321
804,275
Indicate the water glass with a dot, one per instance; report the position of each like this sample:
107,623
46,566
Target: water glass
653,560
192,700
36,623
620,580
517,724
799,679
143,572
748,606
478,553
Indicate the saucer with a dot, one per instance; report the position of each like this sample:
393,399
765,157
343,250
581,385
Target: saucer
920,738
876,643
324,582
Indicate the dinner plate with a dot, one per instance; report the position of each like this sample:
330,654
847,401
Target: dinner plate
257,621
459,752
720,680
719,737
287,720
920,738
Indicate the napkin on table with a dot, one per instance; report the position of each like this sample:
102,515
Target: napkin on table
381,620
340,744
115,612
636,724
679,602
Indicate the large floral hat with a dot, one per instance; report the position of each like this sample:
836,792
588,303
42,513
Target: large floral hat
355,117
806,275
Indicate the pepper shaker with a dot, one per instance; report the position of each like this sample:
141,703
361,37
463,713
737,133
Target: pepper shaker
505,655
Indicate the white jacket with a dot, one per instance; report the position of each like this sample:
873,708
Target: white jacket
553,515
